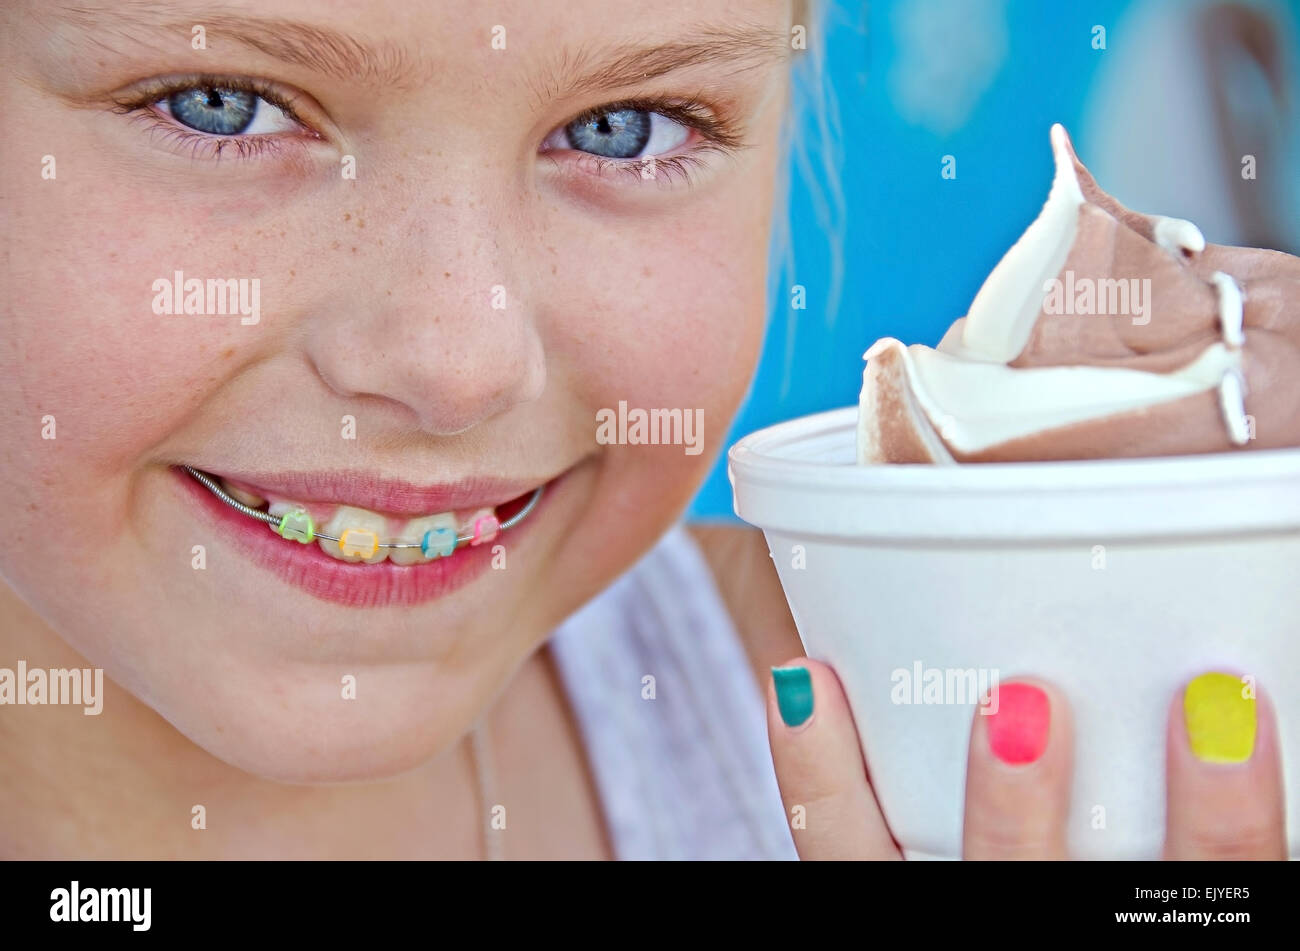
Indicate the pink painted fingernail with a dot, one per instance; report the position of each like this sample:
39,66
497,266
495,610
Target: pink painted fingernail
1018,731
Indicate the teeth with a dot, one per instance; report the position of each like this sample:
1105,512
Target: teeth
358,531
239,495
413,531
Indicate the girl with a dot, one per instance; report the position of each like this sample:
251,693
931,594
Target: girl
376,271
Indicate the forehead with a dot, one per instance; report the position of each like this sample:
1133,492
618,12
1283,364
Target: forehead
559,49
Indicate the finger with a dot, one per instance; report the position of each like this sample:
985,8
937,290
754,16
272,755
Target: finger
828,799
1018,774
1224,798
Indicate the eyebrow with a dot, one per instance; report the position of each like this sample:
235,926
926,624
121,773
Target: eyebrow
575,74
336,54
321,49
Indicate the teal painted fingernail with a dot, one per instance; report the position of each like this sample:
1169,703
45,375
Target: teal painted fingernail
793,694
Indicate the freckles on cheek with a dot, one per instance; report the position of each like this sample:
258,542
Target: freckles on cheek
117,376
671,320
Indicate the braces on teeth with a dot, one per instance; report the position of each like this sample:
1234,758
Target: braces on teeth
436,543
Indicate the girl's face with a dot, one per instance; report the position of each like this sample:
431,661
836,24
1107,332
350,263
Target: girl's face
444,283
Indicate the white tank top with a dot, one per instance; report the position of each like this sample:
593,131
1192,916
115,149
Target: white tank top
681,762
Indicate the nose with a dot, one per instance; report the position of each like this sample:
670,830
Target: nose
433,319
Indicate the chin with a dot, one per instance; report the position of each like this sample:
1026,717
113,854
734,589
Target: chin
303,738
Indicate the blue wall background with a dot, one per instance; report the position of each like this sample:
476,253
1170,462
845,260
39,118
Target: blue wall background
916,247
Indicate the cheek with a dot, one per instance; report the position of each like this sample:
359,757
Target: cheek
84,358
93,353
671,318
674,315
83,342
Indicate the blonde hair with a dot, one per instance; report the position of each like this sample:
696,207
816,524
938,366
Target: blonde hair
811,97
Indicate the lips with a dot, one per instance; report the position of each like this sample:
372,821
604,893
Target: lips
344,582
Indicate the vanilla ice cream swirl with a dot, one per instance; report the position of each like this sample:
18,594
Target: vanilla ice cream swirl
1102,332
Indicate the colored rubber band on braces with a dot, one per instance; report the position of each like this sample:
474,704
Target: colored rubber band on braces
438,542
298,526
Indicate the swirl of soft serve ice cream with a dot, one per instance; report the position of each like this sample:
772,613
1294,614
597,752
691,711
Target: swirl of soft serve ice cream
1101,333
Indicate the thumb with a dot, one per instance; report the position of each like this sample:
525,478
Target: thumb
828,799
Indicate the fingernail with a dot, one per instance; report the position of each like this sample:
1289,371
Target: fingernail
1220,718
1018,731
794,695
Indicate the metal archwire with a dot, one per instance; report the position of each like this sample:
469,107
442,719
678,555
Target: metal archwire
277,522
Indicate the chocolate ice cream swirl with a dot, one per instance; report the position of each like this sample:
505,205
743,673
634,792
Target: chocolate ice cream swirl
1102,333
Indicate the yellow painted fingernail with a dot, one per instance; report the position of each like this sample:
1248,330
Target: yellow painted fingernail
1219,710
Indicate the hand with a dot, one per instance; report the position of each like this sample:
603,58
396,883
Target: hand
1018,809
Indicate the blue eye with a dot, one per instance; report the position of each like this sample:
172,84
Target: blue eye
623,133
222,111
218,111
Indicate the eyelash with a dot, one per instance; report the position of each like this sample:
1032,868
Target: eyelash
719,134
206,145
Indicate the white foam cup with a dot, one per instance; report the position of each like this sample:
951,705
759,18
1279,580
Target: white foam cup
1116,580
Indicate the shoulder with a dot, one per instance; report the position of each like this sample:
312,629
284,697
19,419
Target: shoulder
746,579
